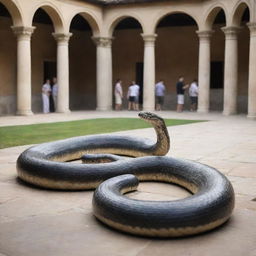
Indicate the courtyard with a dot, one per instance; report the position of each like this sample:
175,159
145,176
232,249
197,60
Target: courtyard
41,222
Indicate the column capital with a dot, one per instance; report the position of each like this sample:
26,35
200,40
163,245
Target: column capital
23,33
62,38
149,38
103,41
205,34
252,27
231,32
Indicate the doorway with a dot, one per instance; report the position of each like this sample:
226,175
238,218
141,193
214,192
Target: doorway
217,74
217,85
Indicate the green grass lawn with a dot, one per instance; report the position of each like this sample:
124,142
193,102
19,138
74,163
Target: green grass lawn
11,136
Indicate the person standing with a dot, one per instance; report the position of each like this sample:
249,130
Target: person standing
160,91
55,92
118,95
133,96
180,87
46,90
193,94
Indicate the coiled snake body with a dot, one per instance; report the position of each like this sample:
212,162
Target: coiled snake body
49,165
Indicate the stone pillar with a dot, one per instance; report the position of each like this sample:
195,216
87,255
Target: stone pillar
204,70
23,69
231,69
62,71
149,72
252,73
104,72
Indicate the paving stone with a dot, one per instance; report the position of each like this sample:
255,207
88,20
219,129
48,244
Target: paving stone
245,202
244,186
65,235
39,222
244,170
158,191
236,238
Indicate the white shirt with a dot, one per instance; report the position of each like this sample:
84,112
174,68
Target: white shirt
46,89
193,90
118,89
160,89
55,90
134,90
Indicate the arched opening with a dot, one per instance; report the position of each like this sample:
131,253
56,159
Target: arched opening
82,63
217,60
243,17
43,51
176,54
128,56
7,64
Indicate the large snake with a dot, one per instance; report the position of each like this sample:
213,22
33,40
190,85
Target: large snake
50,165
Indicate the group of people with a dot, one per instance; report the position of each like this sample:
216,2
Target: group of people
134,92
192,91
49,90
132,96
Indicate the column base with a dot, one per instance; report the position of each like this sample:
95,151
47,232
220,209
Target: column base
24,113
203,110
103,108
251,116
66,111
229,113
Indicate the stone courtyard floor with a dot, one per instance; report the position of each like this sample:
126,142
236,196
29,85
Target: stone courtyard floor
40,222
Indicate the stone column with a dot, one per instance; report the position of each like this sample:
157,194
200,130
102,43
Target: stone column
252,73
231,69
149,72
62,71
23,69
204,70
104,72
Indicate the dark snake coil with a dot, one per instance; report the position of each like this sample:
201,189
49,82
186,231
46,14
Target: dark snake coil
49,165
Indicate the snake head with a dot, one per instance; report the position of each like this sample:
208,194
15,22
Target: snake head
150,117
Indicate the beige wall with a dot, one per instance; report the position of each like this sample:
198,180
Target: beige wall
176,55
7,68
82,71
127,50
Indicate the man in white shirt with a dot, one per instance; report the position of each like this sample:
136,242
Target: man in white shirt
46,90
55,92
118,95
160,91
193,94
133,96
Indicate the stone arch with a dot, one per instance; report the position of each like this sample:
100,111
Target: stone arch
164,15
53,13
211,16
238,12
118,19
94,24
14,11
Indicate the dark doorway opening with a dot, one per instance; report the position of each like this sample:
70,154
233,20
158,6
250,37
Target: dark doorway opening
50,71
217,75
139,79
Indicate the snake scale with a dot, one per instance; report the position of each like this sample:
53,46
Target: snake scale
50,165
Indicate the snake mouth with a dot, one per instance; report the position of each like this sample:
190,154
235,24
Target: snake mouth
149,117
